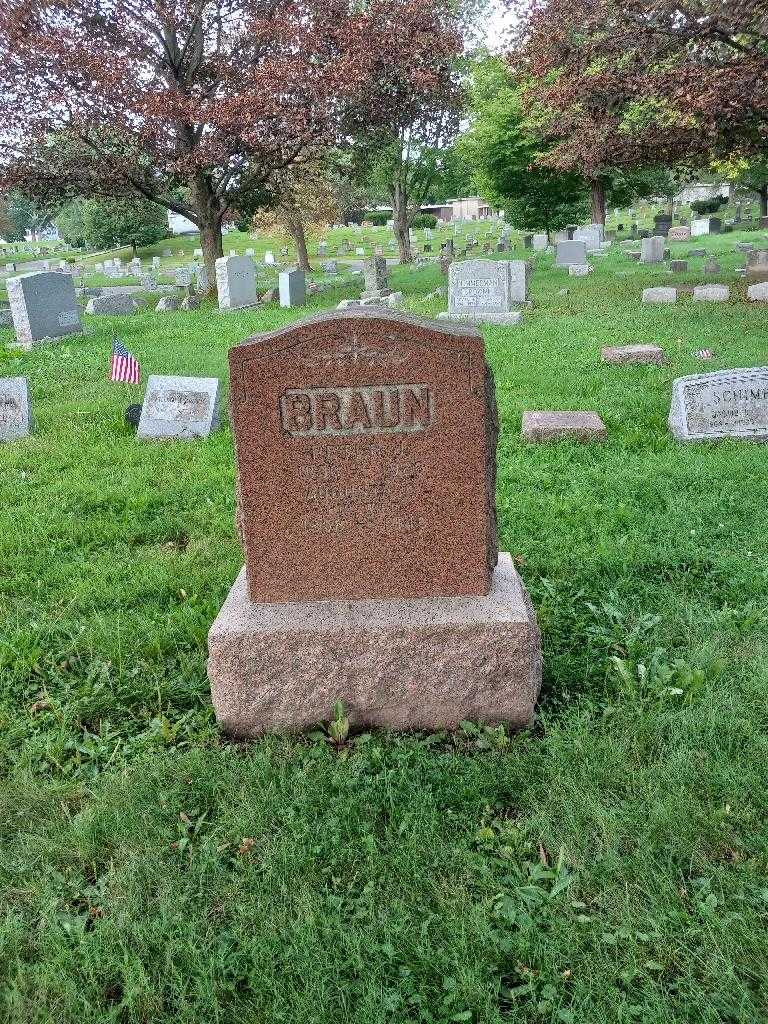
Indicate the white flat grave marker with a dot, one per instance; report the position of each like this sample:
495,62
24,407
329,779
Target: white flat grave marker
179,407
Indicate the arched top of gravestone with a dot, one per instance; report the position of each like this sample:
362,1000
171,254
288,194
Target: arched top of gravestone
366,313
366,454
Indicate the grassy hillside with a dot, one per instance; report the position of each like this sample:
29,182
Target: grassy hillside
611,865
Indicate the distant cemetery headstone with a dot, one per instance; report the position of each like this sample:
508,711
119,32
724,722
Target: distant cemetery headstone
43,305
652,250
486,291
569,252
236,282
679,234
330,267
591,236
376,277
179,407
540,241
292,288
700,226
112,305
711,293
659,296
15,415
365,444
727,403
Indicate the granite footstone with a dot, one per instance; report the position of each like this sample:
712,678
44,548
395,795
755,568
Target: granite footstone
657,296
549,425
627,354
711,293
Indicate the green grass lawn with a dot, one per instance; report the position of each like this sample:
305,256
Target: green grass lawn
610,865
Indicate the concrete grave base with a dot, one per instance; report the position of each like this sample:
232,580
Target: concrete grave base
415,663
504,319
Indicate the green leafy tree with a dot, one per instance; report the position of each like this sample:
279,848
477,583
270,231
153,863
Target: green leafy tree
503,145
750,174
107,223
19,214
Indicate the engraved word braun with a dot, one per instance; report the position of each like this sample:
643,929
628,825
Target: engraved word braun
342,412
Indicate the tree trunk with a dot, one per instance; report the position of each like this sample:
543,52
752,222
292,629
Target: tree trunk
764,200
598,201
209,217
297,233
400,219
671,206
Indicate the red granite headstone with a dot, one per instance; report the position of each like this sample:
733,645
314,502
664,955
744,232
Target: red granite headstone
366,454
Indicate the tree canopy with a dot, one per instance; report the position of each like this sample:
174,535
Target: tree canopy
192,104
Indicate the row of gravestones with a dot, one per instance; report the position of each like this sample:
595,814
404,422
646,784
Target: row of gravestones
366,511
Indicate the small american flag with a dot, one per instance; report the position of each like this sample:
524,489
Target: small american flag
125,367
704,354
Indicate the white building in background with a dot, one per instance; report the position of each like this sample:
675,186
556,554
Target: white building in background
180,225
470,208
695,193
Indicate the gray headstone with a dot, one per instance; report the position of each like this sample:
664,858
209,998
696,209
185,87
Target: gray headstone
112,305
236,282
540,242
15,415
592,236
571,252
179,407
292,287
330,267
376,276
652,250
201,279
43,305
727,403
485,291
168,304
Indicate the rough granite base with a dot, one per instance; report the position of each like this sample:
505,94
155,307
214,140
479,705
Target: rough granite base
505,319
419,663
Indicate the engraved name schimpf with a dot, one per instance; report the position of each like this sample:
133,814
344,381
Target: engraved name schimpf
345,411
